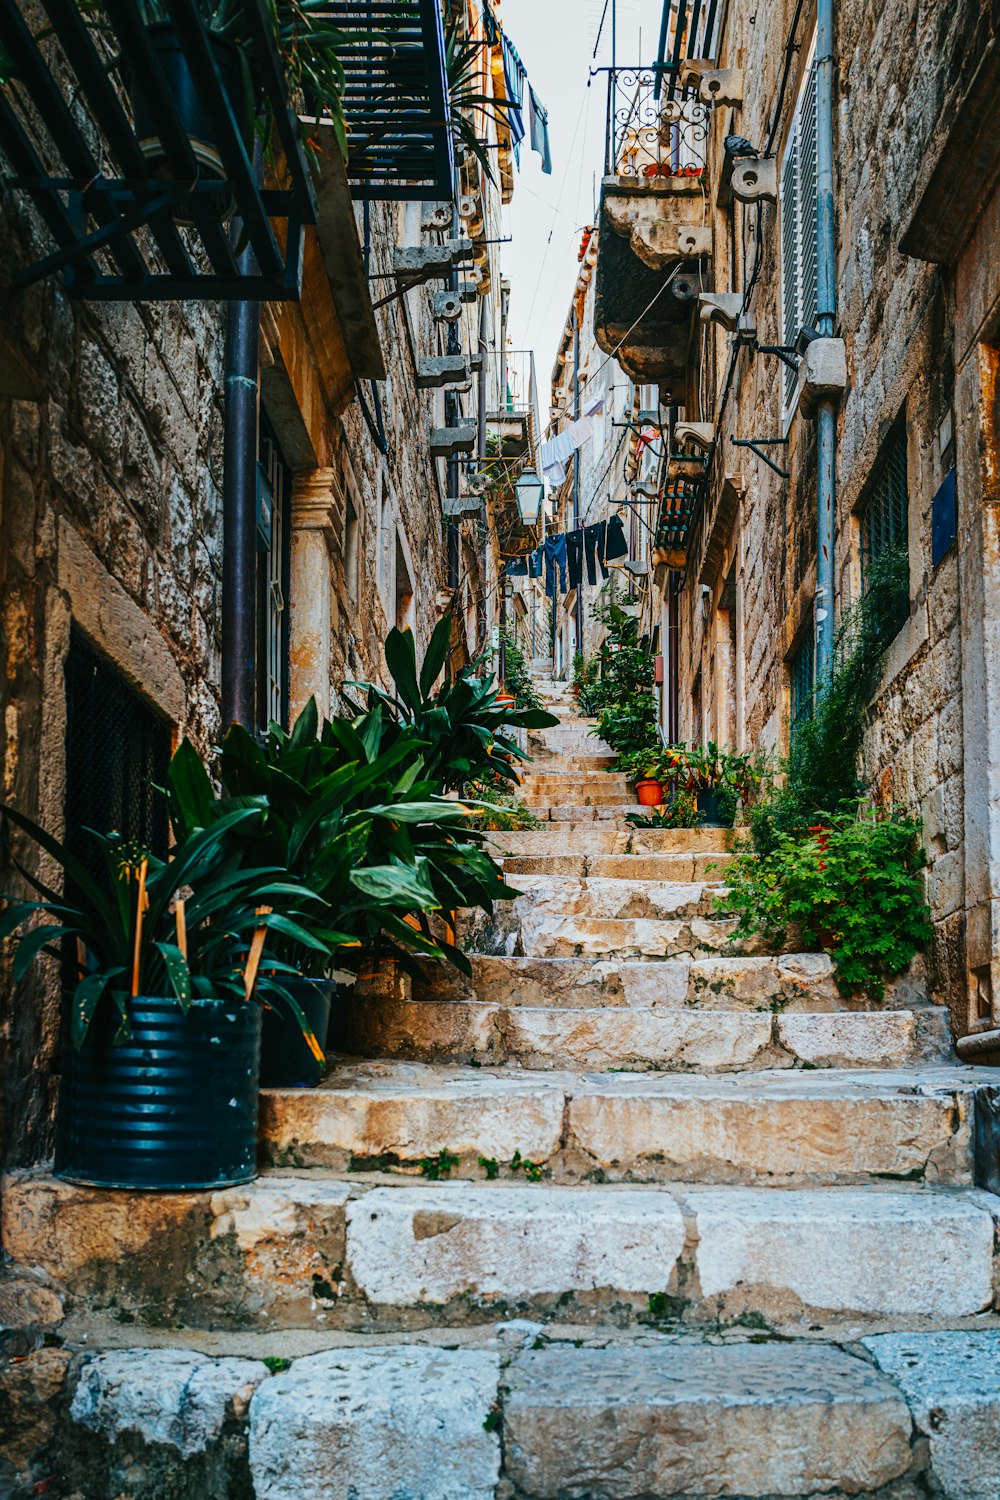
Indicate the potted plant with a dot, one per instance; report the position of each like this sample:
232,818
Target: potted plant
168,963
643,769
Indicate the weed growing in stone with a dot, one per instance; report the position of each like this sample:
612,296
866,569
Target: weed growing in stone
276,1363
532,1170
491,1167
441,1165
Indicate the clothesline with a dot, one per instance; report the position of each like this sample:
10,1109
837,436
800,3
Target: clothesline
564,555
515,77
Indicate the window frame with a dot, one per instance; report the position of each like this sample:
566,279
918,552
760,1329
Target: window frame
800,713
891,460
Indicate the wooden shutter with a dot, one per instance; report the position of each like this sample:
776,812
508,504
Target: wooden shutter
799,181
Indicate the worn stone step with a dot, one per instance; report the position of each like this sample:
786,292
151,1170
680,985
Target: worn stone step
835,1127
576,797
540,1037
569,763
579,814
599,896
552,1412
543,935
660,867
597,840
788,982
307,1250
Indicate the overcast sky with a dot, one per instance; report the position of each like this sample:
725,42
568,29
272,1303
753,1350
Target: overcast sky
555,39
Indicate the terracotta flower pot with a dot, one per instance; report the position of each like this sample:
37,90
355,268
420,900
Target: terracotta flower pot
504,700
649,792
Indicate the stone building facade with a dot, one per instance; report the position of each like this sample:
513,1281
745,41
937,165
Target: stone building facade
916,293
111,528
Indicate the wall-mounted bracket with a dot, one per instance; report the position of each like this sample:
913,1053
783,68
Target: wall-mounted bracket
755,178
436,216
444,371
785,352
822,373
726,309
446,442
702,434
681,467
430,260
754,444
447,307
714,85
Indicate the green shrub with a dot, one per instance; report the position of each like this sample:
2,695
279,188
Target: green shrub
853,888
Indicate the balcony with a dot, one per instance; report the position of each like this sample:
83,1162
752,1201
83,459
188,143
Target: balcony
654,225
133,199
511,444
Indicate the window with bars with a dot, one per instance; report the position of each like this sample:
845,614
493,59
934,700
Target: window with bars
273,574
884,517
802,680
117,755
798,201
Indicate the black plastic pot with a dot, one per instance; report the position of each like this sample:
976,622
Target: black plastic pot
190,108
175,1107
714,808
285,1059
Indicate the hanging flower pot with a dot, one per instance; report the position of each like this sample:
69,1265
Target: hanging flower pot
191,111
649,792
172,1108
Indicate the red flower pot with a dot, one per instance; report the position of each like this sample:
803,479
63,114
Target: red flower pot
649,792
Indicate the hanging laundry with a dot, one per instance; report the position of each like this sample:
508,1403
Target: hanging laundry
594,538
581,430
616,545
555,557
516,567
574,558
594,406
514,79
536,562
553,456
538,125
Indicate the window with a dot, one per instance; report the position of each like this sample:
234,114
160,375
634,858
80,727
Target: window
884,518
117,754
274,481
352,534
802,679
799,291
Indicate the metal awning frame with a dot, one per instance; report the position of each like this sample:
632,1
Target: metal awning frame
89,213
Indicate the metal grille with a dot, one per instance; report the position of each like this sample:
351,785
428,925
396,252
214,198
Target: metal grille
799,188
884,515
395,98
117,756
802,680
688,28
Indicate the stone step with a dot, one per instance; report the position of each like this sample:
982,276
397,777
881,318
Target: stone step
541,1037
784,984
659,867
519,1408
310,1251
584,808
509,930
585,763
597,896
630,840
838,1127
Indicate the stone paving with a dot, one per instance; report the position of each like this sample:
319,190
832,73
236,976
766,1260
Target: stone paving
628,1215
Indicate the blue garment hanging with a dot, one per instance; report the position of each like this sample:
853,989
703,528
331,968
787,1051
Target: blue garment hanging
514,79
555,557
538,120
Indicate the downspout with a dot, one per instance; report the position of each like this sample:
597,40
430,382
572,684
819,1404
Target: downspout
239,507
826,280
576,474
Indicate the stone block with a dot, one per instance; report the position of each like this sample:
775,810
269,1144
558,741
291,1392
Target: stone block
634,1038
862,1039
433,1244
686,1419
170,1396
846,1251
359,1424
951,1382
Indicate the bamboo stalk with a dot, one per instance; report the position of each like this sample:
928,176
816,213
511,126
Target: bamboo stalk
254,956
140,912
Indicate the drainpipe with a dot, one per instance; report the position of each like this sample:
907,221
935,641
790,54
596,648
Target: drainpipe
239,509
826,274
576,475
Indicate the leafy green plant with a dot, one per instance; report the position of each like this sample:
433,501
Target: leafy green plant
491,1167
852,887
495,811
181,927
438,1166
680,811
622,696
586,670
463,70
517,677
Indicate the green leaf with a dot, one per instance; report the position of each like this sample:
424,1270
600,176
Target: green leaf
193,795
306,726
409,888
177,972
86,998
401,659
30,945
436,655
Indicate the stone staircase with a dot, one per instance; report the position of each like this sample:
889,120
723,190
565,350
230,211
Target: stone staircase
628,1215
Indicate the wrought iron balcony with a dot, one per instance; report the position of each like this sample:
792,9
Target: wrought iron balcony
126,228
396,98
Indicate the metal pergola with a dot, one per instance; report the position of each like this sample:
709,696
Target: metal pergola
395,99
71,147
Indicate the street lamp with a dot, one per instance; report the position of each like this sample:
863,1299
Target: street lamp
529,490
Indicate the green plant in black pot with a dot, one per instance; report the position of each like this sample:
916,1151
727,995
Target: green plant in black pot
167,962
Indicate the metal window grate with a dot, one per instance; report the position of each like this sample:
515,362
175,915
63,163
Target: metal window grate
799,189
273,582
117,756
884,515
802,680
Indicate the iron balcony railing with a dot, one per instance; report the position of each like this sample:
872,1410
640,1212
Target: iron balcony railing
512,396
650,136
396,98
688,29
122,233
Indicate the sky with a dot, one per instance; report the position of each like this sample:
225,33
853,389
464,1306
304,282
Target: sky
556,39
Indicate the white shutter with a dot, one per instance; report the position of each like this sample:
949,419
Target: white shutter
799,184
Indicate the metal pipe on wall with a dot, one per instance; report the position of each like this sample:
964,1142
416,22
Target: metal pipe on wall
576,474
826,286
239,508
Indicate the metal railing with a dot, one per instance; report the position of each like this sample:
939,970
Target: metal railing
647,136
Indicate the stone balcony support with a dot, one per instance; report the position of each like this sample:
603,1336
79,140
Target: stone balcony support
317,518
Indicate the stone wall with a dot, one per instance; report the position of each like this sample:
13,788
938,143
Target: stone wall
896,315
